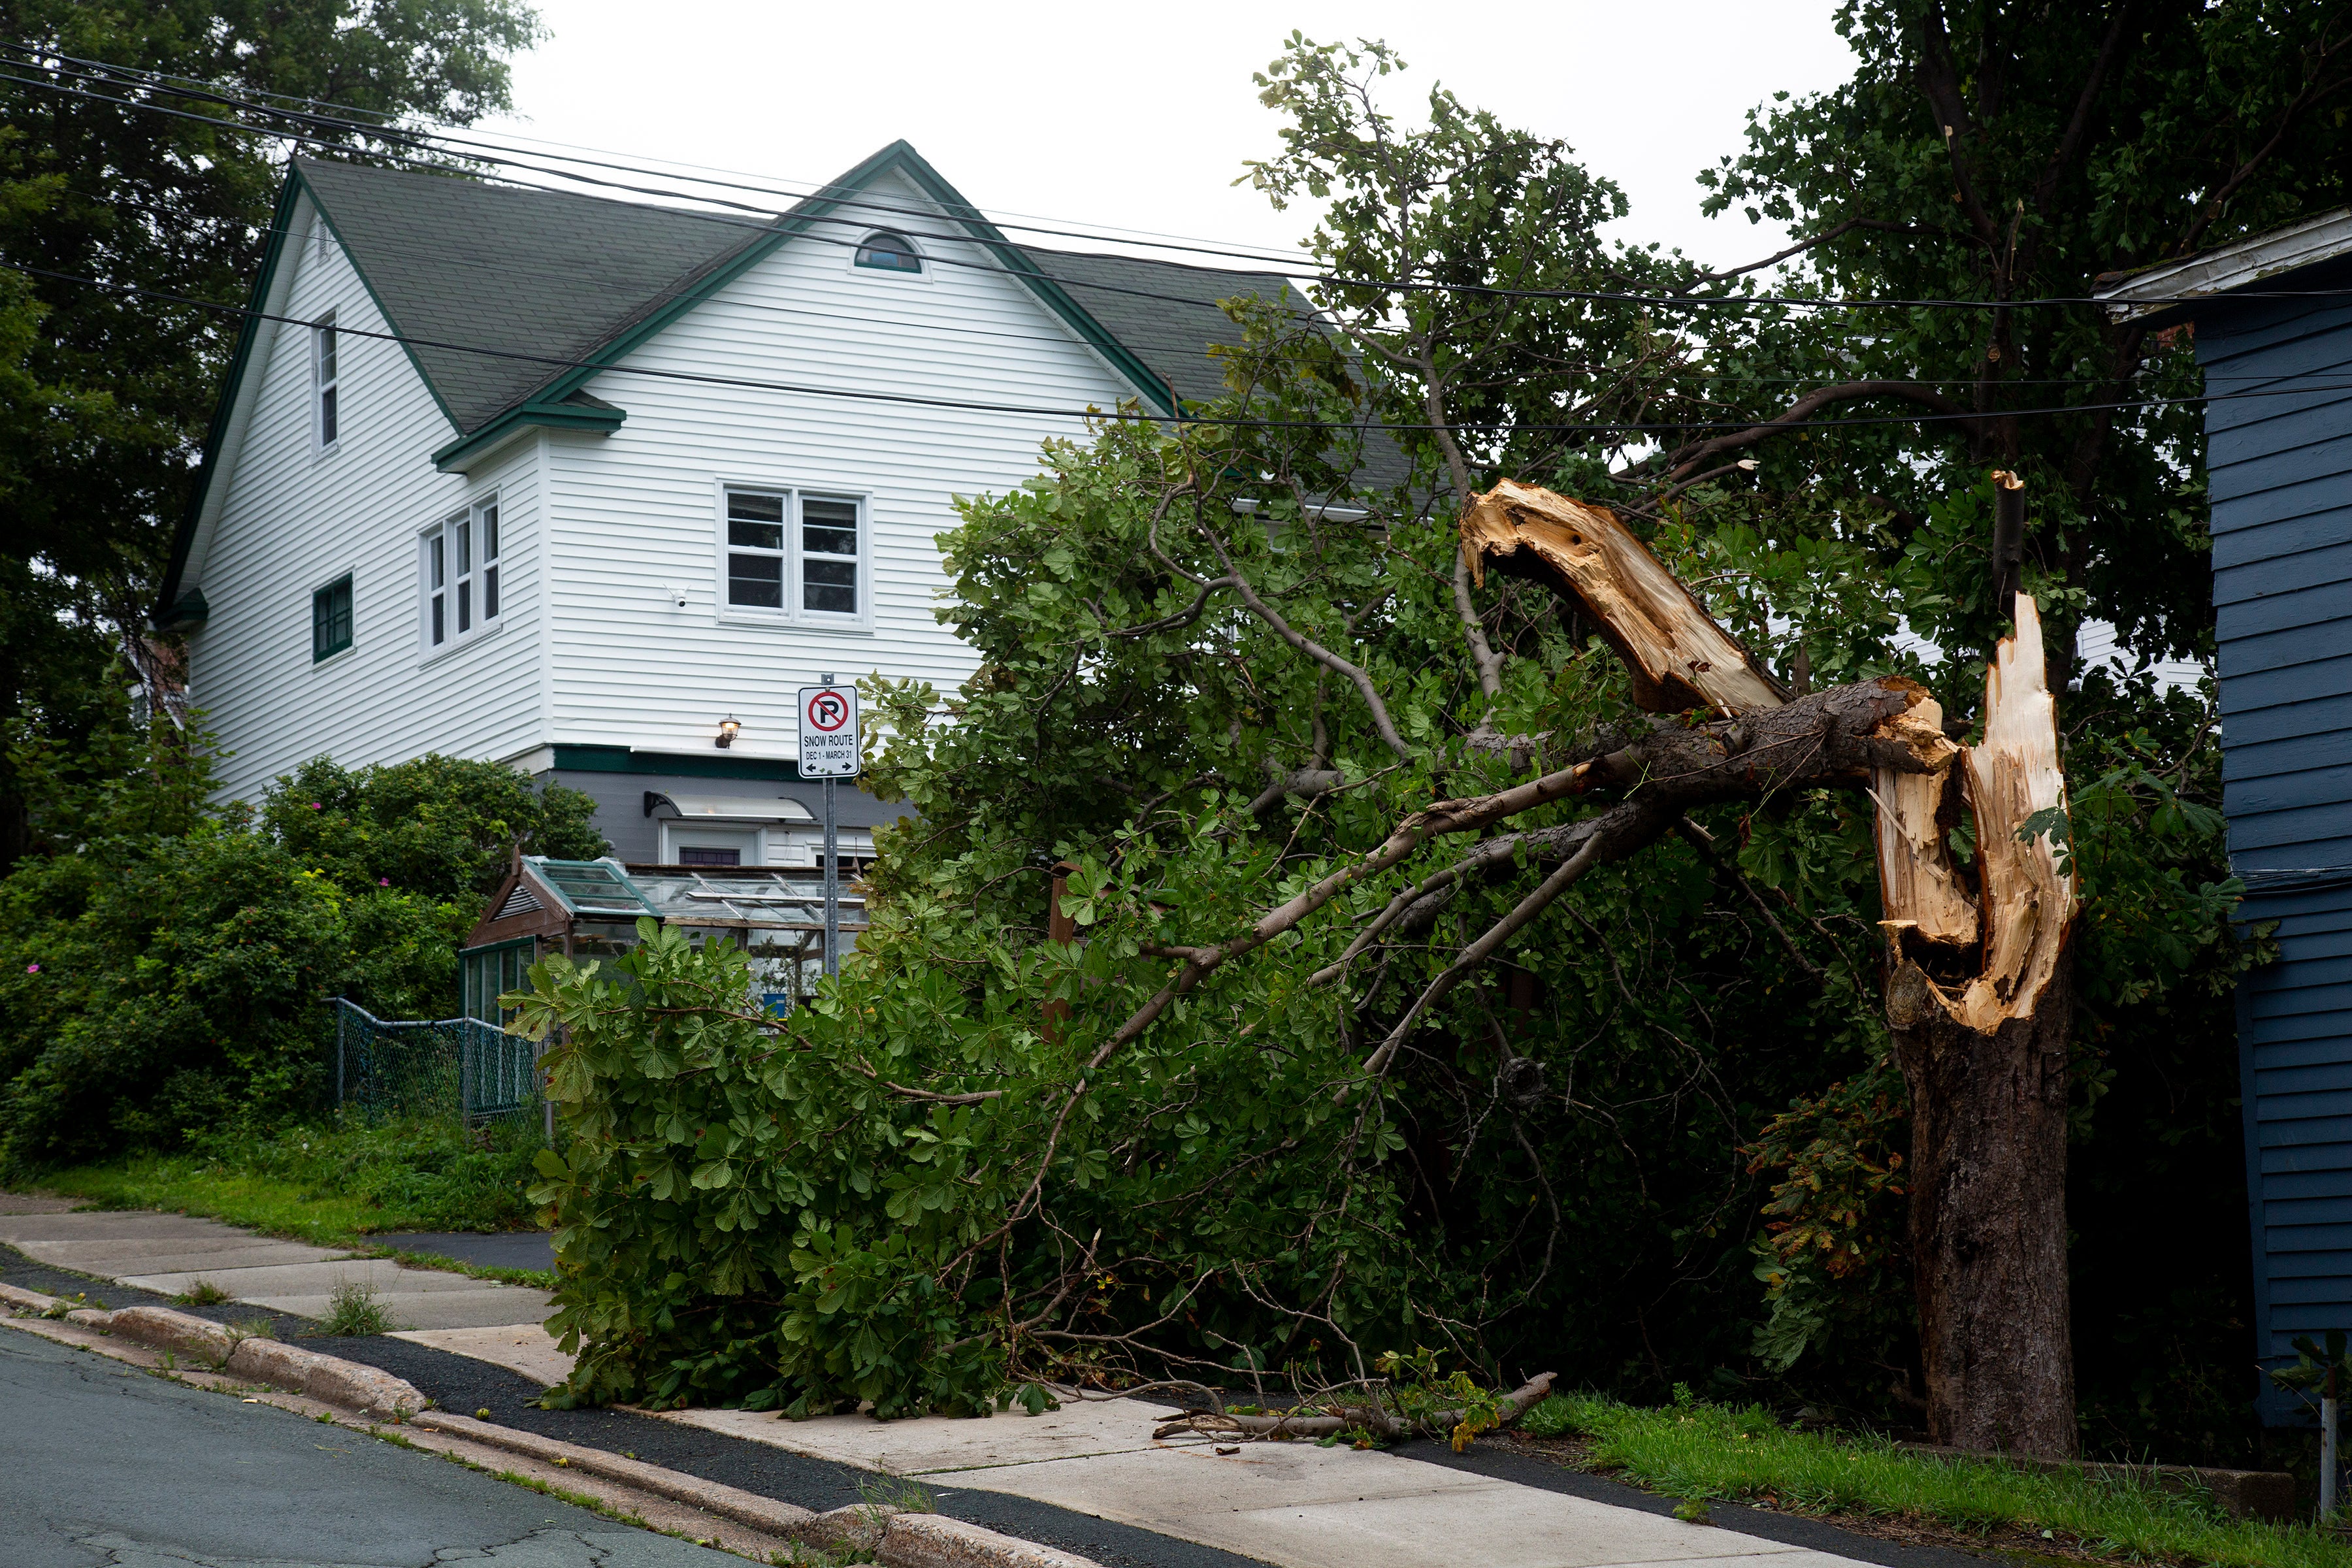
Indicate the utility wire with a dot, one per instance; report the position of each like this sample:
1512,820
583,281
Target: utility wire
767,226
605,158
509,268
554,362
1670,301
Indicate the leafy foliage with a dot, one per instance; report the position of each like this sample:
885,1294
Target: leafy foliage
167,974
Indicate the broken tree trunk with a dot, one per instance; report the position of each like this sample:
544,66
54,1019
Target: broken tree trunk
1976,988
1677,656
1983,1050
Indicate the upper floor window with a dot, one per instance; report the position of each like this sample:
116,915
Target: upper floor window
888,252
323,380
330,618
459,573
800,554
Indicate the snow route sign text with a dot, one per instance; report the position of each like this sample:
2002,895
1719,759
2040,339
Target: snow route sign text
828,732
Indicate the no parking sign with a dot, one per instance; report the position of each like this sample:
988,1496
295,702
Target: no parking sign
829,733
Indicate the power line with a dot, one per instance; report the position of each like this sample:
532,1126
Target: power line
494,153
1091,414
510,267
574,152
763,227
1286,271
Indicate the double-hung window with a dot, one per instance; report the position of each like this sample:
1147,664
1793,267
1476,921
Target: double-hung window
459,573
794,555
324,379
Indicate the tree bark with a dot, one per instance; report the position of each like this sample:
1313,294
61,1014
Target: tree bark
1988,1221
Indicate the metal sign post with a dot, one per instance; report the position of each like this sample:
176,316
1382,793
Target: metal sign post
828,725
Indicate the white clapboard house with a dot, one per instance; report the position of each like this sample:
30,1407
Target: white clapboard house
573,483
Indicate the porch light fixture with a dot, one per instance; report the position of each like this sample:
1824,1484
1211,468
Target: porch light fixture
729,727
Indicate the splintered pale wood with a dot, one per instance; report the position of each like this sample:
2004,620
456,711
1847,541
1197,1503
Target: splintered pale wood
1917,887
2012,773
2028,903
1678,657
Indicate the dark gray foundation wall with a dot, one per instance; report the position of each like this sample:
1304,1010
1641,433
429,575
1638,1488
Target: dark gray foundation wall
619,778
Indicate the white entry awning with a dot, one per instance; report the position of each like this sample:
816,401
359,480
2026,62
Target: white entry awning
729,807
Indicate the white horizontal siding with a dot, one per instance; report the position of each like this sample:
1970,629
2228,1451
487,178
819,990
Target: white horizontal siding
631,515
292,519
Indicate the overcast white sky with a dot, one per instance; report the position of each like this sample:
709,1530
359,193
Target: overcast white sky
1141,117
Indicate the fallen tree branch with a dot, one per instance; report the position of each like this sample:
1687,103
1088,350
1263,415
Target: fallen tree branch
1676,655
1329,1420
1704,842
1630,834
1355,674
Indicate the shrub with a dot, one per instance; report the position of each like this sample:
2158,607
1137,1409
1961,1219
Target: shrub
154,985
750,1211
440,828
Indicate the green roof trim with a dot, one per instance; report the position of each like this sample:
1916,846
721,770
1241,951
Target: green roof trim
902,158
589,759
280,220
577,412
188,612
281,224
375,296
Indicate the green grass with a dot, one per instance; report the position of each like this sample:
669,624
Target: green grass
1712,1452
335,1184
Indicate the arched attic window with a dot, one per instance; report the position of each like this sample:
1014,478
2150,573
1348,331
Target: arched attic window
888,252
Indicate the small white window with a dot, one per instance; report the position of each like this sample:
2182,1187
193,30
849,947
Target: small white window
459,574
794,554
323,379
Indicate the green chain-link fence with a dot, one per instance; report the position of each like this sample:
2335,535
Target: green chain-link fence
446,1066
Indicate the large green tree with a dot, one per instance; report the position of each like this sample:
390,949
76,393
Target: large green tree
131,200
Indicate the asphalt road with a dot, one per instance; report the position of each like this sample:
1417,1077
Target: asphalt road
104,1465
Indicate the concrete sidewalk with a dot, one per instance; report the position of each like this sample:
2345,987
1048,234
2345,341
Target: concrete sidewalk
171,1254
1295,1505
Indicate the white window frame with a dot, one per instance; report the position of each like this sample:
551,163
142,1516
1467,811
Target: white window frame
470,587
749,842
794,612
326,384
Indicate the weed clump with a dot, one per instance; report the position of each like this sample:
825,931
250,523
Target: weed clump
354,1312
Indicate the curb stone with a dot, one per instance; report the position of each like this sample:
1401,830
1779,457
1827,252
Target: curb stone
324,1377
783,1519
895,1540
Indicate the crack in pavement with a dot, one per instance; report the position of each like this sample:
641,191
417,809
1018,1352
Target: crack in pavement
537,1548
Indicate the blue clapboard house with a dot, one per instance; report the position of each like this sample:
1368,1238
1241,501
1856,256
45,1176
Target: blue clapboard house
2272,318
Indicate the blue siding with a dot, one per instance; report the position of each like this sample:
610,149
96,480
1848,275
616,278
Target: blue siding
2279,458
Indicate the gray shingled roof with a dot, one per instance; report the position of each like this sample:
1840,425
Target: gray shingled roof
459,260
1172,336
455,260
1130,299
